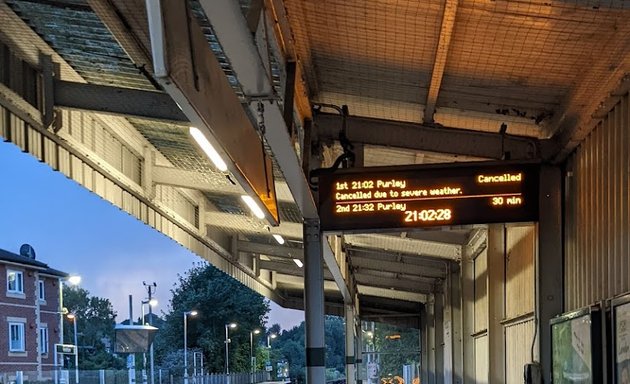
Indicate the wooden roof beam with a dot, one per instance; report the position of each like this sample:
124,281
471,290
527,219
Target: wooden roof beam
441,54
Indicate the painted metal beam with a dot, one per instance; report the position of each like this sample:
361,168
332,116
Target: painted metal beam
368,290
182,178
439,236
252,225
117,101
441,54
362,263
271,250
395,285
423,137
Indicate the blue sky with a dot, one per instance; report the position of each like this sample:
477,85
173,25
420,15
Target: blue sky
76,231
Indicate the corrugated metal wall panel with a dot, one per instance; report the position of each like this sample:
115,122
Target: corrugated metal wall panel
481,360
519,284
518,347
597,231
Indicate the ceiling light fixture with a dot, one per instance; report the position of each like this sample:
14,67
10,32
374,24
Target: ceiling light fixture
298,262
278,238
253,206
209,150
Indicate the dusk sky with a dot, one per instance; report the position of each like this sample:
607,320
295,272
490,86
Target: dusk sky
74,230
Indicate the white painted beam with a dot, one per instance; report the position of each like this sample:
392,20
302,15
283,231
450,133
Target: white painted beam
182,178
369,290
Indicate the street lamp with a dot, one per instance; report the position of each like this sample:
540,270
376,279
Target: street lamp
227,348
251,352
73,317
269,337
72,280
191,313
152,303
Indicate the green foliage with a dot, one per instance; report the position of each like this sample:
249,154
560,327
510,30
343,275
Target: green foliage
218,299
396,347
96,319
291,347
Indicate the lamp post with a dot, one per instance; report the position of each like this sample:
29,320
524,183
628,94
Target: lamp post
73,317
191,313
151,302
269,338
227,348
251,352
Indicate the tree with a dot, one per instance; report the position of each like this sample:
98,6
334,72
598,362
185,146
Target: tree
290,346
96,320
395,347
218,300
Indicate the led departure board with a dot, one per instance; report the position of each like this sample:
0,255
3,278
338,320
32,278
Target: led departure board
367,199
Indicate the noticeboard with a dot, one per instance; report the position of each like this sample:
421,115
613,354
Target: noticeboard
380,198
621,338
576,347
65,349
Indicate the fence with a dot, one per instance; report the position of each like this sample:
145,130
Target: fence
162,376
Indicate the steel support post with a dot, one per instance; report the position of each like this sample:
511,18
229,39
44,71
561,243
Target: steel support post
496,303
350,344
468,314
454,301
431,350
424,344
314,303
438,316
549,265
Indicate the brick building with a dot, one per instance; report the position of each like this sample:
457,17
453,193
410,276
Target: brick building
30,315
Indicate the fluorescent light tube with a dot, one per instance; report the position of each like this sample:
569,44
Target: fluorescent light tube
298,262
205,145
253,206
278,238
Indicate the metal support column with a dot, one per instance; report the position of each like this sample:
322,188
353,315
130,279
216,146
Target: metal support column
549,300
430,330
468,314
424,345
350,359
314,303
438,316
455,303
496,303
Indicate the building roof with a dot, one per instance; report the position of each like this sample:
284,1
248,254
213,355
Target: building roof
6,256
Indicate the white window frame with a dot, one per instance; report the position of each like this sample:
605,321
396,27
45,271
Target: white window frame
41,290
20,327
43,340
19,289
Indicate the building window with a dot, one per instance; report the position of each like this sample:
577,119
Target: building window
15,282
43,340
16,337
40,290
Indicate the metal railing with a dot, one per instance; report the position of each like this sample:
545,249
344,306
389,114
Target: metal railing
106,376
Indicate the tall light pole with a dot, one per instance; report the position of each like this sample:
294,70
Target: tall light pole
251,352
269,338
73,317
227,348
191,313
152,302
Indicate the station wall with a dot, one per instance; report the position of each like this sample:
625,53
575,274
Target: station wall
597,212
